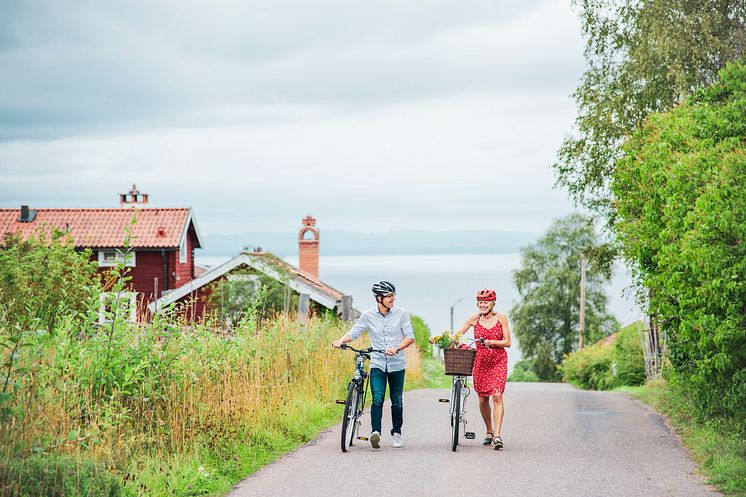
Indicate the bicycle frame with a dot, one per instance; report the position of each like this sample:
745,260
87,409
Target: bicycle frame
463,384
457,409
357,390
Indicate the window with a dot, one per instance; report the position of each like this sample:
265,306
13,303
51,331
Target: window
123,307
112,257
183,251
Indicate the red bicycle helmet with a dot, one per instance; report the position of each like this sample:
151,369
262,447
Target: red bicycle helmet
486,294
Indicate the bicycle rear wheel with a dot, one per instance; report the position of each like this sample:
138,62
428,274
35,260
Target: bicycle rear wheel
348,421
455,415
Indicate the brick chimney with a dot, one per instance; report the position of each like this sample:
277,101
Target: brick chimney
133,199
308,246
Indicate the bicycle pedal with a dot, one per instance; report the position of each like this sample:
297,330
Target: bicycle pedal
340,401
444,400
364,439
470,435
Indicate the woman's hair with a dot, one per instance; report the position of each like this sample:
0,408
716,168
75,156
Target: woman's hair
491,302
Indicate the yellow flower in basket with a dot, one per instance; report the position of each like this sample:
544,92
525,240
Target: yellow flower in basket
446,340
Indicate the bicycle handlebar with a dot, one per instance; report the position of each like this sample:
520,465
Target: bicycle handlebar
363,351
480,340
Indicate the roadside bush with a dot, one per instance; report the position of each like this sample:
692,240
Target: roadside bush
56,476
679,197
422,336
604,365
629,360
523,371
590,367
46,277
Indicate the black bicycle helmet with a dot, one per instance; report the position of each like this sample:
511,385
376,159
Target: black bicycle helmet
383,288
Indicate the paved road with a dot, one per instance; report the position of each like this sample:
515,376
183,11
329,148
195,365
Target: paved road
559,441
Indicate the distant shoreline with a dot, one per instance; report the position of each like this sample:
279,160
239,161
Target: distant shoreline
330,252
341,243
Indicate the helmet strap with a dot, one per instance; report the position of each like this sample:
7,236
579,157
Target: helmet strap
379,299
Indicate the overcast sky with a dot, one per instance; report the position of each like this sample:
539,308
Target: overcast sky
370,116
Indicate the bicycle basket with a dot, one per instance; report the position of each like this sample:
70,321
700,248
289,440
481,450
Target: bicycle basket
459,361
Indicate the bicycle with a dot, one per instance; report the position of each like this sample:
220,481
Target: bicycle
457,411
356,393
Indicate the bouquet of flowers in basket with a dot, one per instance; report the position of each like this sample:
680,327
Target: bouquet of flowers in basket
448,340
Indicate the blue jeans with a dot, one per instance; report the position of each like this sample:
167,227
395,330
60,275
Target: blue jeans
378,380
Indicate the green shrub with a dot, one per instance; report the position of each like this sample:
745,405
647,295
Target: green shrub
679,197
602,366
629,361
422,336
523,371
590,367
45,276
56,476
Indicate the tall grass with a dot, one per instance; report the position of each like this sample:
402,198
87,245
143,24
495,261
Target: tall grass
167,408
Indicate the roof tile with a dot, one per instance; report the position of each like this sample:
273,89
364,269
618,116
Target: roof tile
105,228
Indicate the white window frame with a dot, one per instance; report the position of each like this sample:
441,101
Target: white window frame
131,296
105,258
183,251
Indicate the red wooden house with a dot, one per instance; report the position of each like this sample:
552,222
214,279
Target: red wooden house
159,252
161,240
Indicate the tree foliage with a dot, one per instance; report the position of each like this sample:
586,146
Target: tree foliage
681,200
422,336
249,293
642,56
546,320
44,276
523,371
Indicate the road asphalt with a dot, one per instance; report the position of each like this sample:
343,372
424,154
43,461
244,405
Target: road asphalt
559,441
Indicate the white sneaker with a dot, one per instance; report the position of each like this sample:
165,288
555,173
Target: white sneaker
396,441
375,439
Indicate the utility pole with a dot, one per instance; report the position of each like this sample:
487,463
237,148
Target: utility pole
452,306
583,267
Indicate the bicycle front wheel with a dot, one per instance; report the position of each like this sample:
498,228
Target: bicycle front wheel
455,415
348,421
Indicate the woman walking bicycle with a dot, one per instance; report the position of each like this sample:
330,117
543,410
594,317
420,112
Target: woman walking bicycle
491,363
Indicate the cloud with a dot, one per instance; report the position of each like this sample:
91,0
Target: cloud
125,66
464,161
399,115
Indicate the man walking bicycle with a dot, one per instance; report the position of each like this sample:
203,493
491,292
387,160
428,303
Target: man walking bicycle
390,329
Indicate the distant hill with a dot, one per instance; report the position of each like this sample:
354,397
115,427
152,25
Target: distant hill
392,243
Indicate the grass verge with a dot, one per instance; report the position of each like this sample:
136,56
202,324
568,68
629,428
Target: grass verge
716,445
433,375
214,473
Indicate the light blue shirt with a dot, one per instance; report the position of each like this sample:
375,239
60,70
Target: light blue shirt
385,332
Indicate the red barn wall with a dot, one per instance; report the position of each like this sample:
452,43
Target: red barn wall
149,267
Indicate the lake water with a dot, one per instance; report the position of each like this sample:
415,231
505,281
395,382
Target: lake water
428,285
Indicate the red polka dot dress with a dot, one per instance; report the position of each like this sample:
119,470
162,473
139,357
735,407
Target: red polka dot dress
490,365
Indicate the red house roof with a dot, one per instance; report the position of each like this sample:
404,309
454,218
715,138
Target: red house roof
105,228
